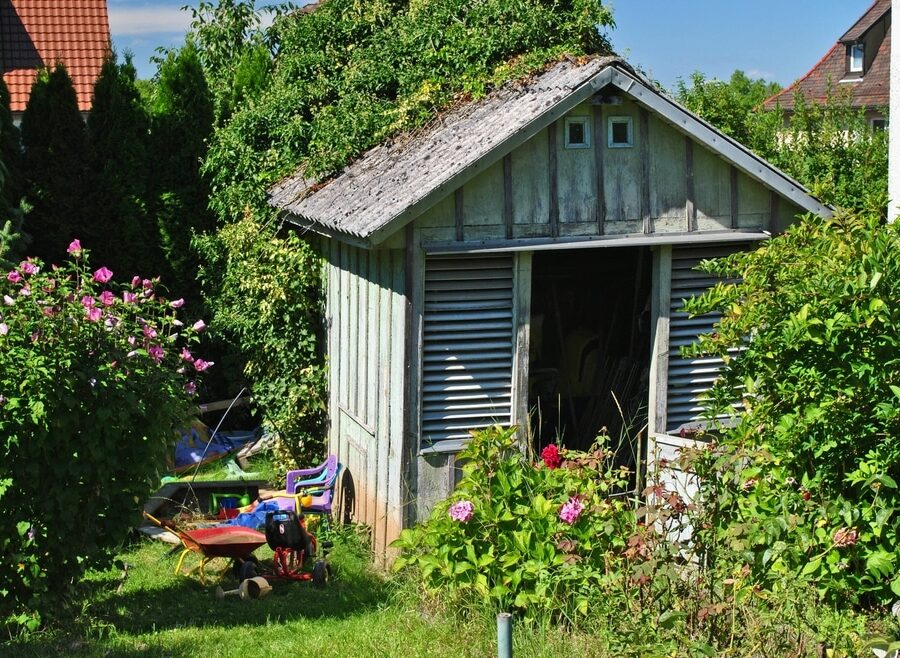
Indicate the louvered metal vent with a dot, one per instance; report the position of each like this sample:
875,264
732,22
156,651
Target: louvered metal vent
467,346
690,378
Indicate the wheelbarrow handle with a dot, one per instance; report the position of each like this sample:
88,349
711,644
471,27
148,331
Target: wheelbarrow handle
162,524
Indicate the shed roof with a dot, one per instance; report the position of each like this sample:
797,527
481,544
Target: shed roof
35,34
393,183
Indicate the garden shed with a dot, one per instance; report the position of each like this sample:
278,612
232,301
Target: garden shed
522,260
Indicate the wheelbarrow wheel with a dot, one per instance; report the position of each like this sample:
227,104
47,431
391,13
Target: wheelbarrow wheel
321,573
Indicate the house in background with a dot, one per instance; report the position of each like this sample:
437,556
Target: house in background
857,65
521,260
36,34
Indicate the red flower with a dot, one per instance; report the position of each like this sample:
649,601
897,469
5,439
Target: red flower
551,456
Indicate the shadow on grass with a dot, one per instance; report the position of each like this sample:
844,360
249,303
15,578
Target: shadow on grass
152,599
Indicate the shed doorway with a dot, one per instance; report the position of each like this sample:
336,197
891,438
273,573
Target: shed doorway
589,354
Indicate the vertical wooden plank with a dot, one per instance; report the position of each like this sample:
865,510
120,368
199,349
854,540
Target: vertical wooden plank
373,326
344,346
644,128
522,335
334,328
459,216
414,281
399,477
554,180
361,364
507,196
599,146
353,369
734,196
773,218
659,355
382,422
690,210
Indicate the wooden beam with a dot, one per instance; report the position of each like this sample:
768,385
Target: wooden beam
413,266
554,180
773,211
599,143
659,355
645,168
459,214
507,196
734,197
690,210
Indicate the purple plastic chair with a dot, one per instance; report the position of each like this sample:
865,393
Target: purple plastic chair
322,476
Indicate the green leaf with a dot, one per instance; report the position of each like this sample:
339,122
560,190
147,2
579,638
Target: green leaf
811,567
669,618
880,563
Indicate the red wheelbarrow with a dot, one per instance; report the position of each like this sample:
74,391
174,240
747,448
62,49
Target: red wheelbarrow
230,542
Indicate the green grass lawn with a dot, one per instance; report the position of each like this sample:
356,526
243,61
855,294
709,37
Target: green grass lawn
359,613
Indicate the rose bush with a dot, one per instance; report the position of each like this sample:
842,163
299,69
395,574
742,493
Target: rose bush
94,377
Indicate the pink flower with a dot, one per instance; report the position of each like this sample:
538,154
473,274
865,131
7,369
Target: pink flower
131,354
156,353
4,328
132,341
129,297
461,510
199,326
111,322
135,281
147,284
149,331
28,267
103,275
93,314
107,298
200,365
191,388
551,456
845,537
88,302
13,276
186,355
25,291
9,301
49,311
74,248
178,303
571,510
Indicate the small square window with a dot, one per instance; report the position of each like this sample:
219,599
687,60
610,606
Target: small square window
620,132
577,133
879,124
856,58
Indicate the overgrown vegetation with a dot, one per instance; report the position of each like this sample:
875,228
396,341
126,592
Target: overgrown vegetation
807,478
95,376
346,77
830,148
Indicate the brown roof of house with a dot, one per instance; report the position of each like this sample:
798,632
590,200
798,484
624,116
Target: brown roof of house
871,90
37,34
867,20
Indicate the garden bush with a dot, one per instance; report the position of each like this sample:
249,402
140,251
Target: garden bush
95,374
803,483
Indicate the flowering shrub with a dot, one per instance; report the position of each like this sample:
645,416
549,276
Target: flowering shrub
537,537
94,376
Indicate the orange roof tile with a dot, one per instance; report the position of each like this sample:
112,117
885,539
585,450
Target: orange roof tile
36,34
870,90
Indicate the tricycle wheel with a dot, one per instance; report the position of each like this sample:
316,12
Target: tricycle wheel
321,573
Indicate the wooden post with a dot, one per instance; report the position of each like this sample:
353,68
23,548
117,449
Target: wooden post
554,180
599,143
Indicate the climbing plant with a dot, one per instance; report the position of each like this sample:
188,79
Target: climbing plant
343,78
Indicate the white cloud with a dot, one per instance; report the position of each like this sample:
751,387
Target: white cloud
147,20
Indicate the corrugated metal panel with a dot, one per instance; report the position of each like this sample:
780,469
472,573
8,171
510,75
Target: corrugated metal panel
689,379
467,345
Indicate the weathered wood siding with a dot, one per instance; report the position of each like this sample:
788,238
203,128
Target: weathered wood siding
665,183
366,317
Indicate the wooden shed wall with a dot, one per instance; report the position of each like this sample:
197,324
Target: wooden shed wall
665,183
366,334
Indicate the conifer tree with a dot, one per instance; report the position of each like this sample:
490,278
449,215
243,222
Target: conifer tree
11,238
181,126
121,233
54,164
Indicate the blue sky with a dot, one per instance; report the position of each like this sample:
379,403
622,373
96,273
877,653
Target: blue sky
778,40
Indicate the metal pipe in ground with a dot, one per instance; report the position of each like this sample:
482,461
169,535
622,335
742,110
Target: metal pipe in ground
504,635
